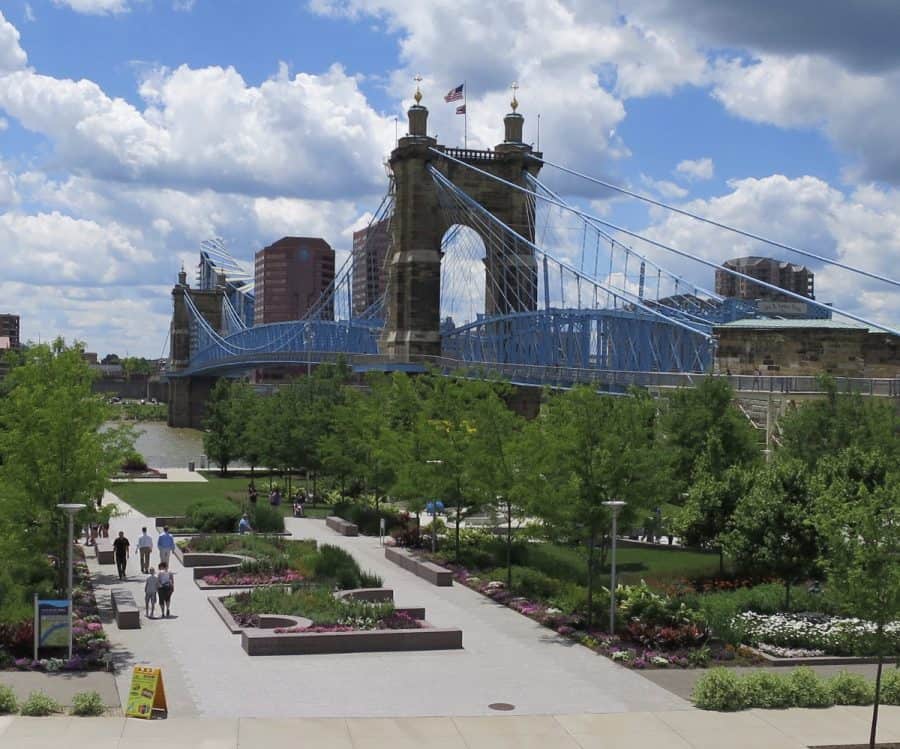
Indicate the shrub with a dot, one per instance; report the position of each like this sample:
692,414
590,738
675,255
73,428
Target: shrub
39,704
851,689
265,518
767,690
336,565
369,580
719,689
530,583
134,461
556,561
890,687
87,704
8,701
808,689
367,518
213,516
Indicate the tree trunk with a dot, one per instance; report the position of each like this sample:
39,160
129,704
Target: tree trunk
721,561
315,480
787,595
592,543
874,730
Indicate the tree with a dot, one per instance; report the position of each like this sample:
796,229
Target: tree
771,530
221,440
858,516
825,427
249,420
585,450
496,463
701,423
54,445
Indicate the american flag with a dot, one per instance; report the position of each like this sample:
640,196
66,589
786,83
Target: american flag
455,94
461,110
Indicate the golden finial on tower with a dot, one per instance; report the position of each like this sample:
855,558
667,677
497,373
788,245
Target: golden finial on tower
515,102
418,95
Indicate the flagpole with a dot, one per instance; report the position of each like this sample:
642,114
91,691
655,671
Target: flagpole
465,116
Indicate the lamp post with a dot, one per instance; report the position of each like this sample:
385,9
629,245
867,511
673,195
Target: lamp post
434,511
615,506
70,510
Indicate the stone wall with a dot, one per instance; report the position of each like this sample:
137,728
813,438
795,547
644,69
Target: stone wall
843,352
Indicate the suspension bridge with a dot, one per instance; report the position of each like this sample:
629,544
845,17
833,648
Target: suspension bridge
491,273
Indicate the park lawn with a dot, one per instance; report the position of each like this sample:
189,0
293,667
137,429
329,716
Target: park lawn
155,499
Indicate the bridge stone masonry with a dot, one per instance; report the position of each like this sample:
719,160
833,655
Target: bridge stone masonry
412,320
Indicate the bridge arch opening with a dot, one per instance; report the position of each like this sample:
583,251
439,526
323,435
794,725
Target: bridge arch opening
463,276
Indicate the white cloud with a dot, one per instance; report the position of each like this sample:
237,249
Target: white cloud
29,13
184,6
861,229
12,56
664,187
95,7
309,135
696,169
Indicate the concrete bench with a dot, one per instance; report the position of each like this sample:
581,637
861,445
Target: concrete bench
105,555
128,615
339,525
433,573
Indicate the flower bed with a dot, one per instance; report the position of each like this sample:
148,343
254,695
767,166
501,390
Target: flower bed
89,642
812,634
249,579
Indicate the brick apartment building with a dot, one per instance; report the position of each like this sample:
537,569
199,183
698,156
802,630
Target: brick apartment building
9,331
796,278
370,245
290,276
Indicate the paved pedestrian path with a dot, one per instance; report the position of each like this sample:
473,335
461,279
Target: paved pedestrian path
684,729
506,657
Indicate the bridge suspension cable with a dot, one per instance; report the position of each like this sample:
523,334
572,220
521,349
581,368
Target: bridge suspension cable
718,224
477,210
669,248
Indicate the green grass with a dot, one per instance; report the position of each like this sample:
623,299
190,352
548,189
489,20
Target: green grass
171,498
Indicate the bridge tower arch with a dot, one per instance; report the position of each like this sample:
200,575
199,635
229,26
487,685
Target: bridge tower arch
412,319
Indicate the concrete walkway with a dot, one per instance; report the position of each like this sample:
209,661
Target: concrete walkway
684,729
506,657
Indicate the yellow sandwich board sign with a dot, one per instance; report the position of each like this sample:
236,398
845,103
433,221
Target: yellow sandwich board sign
146,693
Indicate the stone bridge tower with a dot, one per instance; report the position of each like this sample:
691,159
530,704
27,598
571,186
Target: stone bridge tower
414,266
187,395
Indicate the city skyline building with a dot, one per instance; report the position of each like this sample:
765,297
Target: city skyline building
9,331
789,276
290,276
370,246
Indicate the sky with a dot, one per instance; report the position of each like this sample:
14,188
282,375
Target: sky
132,130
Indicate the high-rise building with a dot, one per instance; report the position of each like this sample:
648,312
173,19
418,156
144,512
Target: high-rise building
370,245
290,276
796,278
9,331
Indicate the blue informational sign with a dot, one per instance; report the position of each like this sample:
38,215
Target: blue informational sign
52,625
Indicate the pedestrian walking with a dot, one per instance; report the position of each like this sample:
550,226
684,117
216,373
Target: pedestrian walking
151,588
145,546
164,544
166,582
120,551
244,525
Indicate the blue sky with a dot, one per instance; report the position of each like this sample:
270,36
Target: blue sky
133,129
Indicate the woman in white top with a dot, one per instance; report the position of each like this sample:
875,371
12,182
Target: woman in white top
166,588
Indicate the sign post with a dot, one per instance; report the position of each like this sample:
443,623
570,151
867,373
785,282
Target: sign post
146,694
52,624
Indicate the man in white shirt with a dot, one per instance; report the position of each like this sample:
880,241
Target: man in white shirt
144,547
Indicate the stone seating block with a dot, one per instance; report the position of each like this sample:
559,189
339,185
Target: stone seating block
104,551
433,573
128,615
339,525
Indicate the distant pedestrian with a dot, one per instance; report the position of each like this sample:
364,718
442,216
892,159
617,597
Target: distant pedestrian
120,551
166,582
151,588
244,525
275,497
252,494
144,547
164,544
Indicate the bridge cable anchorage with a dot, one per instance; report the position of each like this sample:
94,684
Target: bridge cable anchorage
536,183
669,248
719,224
623,295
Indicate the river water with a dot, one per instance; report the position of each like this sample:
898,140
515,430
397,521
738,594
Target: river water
165,447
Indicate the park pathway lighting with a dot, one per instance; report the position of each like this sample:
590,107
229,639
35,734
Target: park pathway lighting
71,509
615,507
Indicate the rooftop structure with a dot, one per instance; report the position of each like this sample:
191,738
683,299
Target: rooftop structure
789,276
